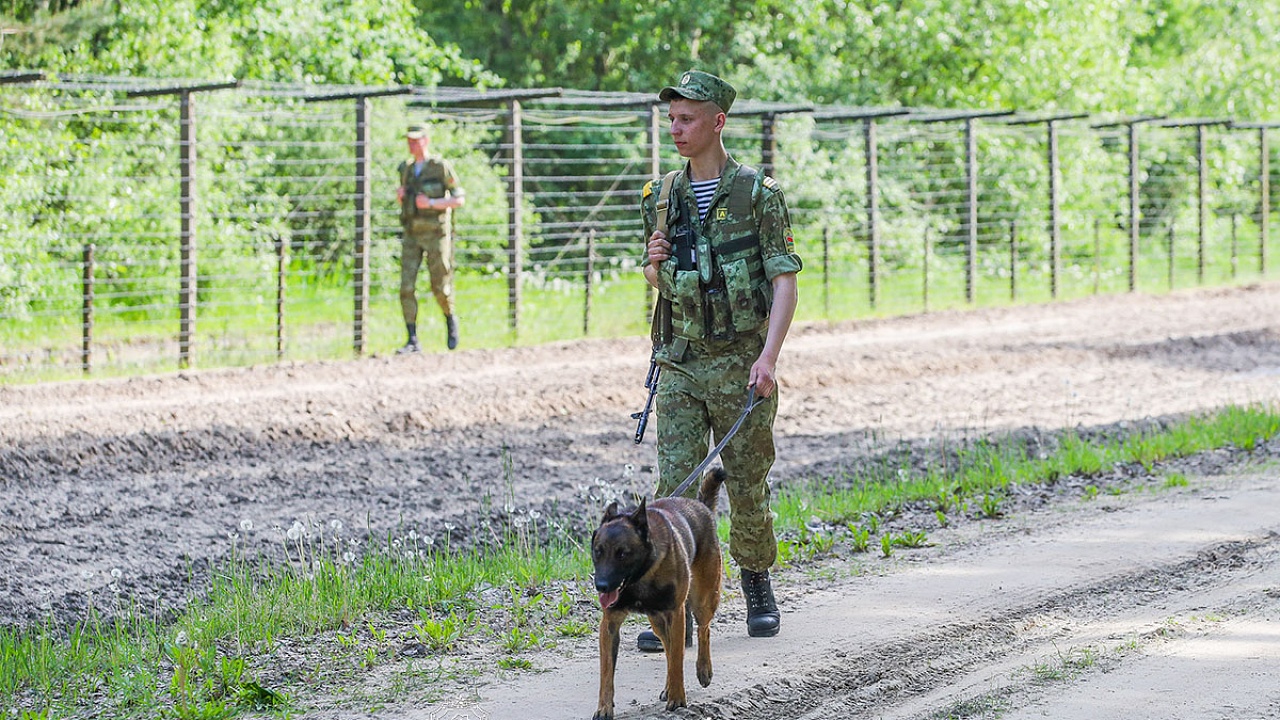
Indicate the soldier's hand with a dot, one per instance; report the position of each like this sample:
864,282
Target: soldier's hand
400,194
659,248
422,201
763,376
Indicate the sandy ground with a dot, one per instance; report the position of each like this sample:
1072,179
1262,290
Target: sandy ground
1164,605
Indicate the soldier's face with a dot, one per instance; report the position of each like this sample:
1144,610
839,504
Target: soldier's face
695,125
418,146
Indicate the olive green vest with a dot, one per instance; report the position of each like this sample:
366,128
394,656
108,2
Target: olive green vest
430,181
728,293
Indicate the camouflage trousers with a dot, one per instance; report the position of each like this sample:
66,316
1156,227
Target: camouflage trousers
435,243
700,397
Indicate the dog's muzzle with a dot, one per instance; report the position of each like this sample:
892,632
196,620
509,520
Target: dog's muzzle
610,598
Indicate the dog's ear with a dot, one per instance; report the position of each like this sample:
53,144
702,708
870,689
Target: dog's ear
640,519
610,512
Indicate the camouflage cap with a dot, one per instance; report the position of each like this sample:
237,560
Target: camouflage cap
698,85
416,131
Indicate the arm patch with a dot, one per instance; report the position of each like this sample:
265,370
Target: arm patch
648,190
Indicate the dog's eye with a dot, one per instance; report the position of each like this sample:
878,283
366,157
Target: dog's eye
622,554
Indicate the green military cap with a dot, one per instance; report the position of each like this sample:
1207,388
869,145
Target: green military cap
416,131
698,85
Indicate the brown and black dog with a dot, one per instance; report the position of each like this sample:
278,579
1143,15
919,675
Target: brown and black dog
654,561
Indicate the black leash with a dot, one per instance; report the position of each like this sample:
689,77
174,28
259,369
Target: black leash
752,402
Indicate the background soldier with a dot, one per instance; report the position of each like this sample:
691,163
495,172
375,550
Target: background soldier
429,191
728,270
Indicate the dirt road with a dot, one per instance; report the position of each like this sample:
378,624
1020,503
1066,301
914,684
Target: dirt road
124,485
1164,606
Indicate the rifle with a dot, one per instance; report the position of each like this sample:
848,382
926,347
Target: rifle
650,384
660,331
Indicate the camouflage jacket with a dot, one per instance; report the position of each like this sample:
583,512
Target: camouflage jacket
725,289
436,180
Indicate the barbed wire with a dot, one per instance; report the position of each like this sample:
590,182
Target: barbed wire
91,248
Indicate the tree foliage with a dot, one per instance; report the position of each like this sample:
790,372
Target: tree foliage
317,41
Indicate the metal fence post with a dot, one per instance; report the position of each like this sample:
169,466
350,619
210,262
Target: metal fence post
1055,246
364,228
282,264
515,215
768,143
1013,260
187,292
826,272
587,280
86,310
1265,190
928,250
873,210
1202,182
1133,207
971,212
187,234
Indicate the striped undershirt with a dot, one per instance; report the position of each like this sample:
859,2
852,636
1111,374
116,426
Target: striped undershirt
704,190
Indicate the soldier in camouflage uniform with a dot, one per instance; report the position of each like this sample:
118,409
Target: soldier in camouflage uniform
727,264
428,193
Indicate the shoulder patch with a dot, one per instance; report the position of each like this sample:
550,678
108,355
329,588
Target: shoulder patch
770,183
648,189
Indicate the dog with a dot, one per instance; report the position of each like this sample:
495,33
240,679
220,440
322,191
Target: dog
659,560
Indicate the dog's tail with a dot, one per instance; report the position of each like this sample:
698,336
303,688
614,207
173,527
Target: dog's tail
710,488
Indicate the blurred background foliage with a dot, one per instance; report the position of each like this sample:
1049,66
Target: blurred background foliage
1176,57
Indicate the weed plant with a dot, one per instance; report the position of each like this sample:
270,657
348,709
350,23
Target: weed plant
361,599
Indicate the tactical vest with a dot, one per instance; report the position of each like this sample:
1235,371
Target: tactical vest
431,181
728,293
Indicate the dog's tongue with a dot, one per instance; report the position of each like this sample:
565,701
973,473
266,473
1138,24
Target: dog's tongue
607,599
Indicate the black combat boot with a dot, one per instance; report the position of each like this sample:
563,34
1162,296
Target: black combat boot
762,612
412,345
648,640
451,325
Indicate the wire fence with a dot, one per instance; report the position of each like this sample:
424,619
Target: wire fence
152,225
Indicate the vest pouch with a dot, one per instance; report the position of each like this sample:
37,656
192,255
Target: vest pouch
686,310
742,296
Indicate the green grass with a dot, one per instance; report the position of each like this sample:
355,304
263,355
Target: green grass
982,473
213,659
236,320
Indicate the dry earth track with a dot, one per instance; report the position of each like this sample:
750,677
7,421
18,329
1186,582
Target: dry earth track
151,475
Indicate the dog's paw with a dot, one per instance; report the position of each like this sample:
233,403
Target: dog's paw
704,675
603,714
673,703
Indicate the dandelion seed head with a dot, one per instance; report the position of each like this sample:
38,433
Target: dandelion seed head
335,525
534,514
429,540
116,573
448,527
86,574
246,525
181,639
